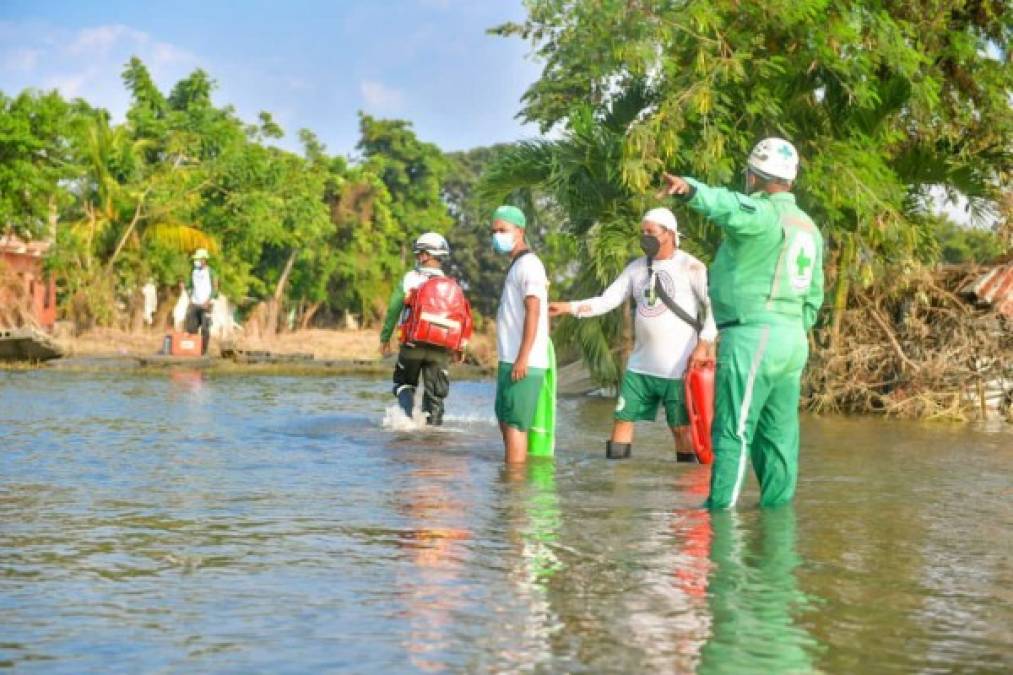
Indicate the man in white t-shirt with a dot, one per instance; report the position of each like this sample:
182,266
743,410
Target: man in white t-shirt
522,333
203,289
665,341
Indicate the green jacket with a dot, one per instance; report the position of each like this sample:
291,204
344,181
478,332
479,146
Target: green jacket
770,264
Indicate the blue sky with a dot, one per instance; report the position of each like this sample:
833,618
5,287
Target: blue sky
310,63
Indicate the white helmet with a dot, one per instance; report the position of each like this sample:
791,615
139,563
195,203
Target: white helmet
774,158
433,244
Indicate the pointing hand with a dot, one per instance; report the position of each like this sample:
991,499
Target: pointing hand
674,185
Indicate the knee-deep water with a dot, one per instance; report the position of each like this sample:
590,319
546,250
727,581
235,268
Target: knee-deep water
181,522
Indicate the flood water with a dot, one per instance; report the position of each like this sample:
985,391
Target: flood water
181,523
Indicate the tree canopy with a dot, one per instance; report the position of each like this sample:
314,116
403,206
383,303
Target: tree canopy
892,105
889,104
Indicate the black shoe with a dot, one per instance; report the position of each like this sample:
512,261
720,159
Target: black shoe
618,450
689,457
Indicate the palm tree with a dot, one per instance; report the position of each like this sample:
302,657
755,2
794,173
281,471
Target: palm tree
132,200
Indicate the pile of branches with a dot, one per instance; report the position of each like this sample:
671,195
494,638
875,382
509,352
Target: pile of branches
909,346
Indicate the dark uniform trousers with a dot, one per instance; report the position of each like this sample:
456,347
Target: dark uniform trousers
432,363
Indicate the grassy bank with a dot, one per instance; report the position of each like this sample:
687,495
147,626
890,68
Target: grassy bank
333,353
324,345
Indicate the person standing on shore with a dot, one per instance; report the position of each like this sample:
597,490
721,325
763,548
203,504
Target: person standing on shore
203,289
766,287
665,336
522,333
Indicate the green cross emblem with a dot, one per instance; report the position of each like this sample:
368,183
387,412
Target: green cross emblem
803,262
785,151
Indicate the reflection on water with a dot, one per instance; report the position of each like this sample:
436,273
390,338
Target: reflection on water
187,522
754,596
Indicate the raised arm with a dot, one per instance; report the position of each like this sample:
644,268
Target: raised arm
394,308
738,214
612,297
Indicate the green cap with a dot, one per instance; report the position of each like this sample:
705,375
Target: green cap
510,214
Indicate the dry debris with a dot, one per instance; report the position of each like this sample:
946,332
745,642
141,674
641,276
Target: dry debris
911,347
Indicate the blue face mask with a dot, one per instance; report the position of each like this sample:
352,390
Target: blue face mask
503,242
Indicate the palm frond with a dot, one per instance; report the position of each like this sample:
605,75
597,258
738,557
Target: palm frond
179,236
525,165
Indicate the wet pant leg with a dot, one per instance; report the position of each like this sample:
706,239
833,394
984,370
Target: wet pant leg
436,377
406,376
775,446
740,390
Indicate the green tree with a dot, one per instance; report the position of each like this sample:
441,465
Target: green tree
35,160
965,243
885,102
412,170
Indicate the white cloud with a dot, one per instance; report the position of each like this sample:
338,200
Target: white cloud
87,62
164,54
379,96
72,85
20,59
102,39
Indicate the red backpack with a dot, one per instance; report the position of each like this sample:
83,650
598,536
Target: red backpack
437,314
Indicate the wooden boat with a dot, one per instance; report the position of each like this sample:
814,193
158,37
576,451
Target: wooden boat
27,344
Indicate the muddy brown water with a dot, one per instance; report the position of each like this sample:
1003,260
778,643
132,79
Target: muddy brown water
183,522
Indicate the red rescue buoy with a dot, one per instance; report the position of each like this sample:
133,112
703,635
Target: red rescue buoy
700,406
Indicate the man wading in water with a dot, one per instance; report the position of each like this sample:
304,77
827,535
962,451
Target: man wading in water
766,289
664,336
424,357
522,333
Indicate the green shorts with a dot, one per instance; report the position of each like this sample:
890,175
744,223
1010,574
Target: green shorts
640,395
516,401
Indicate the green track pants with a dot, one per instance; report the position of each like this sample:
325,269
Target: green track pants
757,389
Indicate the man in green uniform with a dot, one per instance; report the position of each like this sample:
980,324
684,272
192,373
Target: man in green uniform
766,287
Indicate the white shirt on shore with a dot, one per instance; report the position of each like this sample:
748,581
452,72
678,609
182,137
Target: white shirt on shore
201,285
525,278
663,341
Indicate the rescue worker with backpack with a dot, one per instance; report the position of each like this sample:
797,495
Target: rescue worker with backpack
766,287
434,324
669,289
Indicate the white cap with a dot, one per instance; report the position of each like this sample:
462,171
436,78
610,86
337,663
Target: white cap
775,158
201,254
662,216
665,218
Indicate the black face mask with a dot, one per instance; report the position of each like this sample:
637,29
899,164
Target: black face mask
650,245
